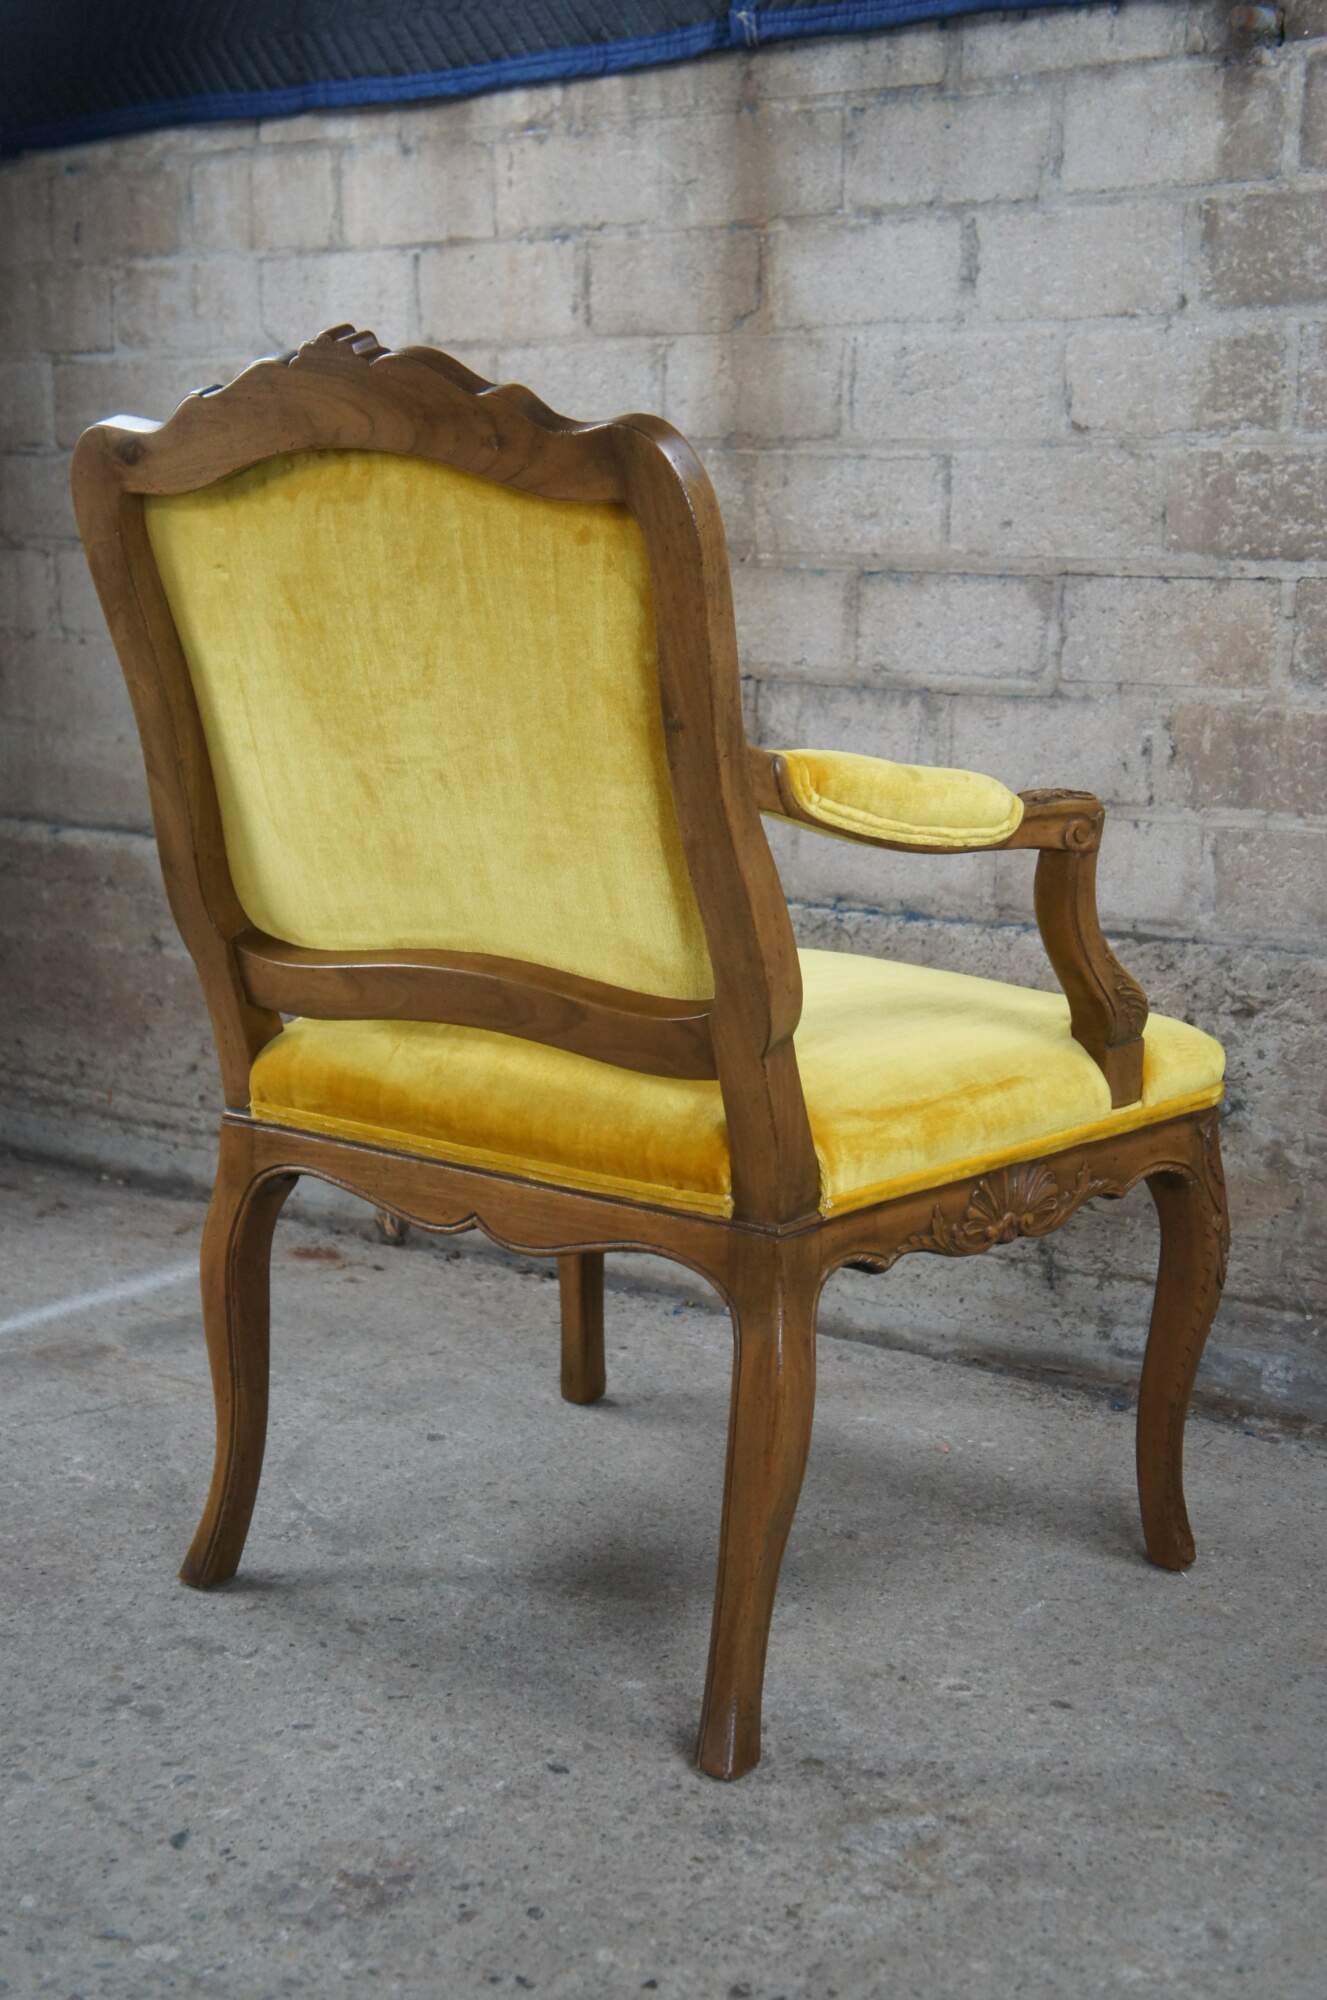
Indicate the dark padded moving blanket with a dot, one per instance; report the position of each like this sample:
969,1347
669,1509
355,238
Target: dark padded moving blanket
72,70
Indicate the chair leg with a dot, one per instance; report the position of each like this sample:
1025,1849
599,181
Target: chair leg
769,1430
581,1284
1195,1237
237,1244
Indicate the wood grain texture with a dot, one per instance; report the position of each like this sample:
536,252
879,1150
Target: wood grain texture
637,1031
1195,1247
581,1290
1107,1008
236,1254
773,1303
344,391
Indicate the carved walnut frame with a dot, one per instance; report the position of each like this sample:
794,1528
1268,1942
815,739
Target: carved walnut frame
344,391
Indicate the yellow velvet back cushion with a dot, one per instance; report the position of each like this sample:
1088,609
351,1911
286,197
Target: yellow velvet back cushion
432,708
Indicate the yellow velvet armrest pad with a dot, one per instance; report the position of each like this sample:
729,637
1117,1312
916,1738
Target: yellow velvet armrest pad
920,805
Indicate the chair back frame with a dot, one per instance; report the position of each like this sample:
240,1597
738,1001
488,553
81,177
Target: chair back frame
344,392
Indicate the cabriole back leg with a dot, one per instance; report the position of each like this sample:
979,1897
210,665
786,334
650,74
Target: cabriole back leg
236,1257
769,1431
581,1285
1195,1240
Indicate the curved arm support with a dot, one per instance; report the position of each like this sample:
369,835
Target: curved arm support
1107,1008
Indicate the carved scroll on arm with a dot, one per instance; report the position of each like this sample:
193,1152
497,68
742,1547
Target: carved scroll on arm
1107,1007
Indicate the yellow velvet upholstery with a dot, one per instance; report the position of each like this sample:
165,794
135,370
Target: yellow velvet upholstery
912,1077
432,708
918,805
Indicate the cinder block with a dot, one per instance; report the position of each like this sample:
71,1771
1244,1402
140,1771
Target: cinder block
1112,745
564,180
837,506
1264,249
902,152
221,202
170,142
845,273
1150,380
910,728
731,474
1153,876
56,309
91,774
760,386
1313,129
99,213
1169,631
116,980
816,870
440,191
1000,45
713,84
1088,262
762,161
795,623
189,306
80,611
1066,501
26,416
589,378
34,497
363,125
27,590
1152,873
25,213
1304,20
1271,505
936,629
1309,660
299,296
1170,124
853,65
1271,884
1312,411
481,118
974,386
294,199
499,291
684,281
1256,758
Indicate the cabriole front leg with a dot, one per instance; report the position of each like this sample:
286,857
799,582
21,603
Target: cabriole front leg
1195,1241
236,1257
769,1430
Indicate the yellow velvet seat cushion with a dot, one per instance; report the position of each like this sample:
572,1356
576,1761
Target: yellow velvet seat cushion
917,805
912,1078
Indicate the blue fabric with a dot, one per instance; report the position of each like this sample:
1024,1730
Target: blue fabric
71,73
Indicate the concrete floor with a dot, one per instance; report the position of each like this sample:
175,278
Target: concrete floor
433,1741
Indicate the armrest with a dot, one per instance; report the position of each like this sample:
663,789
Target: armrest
931,810
870,799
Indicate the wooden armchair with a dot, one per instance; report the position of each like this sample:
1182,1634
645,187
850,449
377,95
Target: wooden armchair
438,694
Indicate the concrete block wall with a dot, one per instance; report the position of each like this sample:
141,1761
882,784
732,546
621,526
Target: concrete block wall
1006,345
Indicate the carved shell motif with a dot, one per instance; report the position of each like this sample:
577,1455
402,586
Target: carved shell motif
1018,1201
1030,1201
